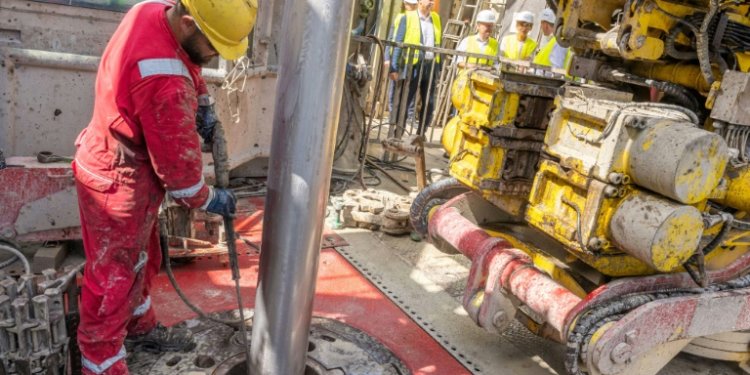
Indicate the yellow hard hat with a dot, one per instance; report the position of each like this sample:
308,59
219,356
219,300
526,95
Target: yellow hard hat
226,23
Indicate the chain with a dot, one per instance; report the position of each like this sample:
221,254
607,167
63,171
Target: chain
234,83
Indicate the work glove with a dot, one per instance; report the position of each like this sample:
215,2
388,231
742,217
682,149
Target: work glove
221,202
205,118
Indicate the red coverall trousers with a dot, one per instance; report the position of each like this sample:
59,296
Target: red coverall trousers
141,142
117,229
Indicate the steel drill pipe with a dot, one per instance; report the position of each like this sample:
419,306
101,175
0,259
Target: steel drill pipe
312,58
514,269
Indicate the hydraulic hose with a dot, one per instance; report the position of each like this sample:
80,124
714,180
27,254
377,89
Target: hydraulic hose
368,128
679,93
716,241
8,261
186,300
671,49
17,255
221,168
702,43
431,196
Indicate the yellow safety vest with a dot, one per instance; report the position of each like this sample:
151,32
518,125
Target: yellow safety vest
396,22
473,46
543,57
414,32
511,48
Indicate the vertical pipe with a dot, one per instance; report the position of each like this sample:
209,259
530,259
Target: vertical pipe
312,59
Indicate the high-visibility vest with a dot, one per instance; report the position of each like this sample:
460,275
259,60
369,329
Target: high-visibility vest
544,54
414,32
511,48
396,22
543,58
473,46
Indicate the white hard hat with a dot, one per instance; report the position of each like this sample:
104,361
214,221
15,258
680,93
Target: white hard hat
412,2
548,16
525,16
486,16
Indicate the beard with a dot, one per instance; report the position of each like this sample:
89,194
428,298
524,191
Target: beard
190,45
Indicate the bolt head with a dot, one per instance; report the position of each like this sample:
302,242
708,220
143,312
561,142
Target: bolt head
595,243
8,233
621,353
500,319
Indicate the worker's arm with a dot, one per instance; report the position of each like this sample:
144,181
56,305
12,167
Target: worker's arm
461,60
501,48
206,118
557,57
397,51
165,106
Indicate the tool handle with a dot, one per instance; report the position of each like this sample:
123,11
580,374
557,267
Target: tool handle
232,247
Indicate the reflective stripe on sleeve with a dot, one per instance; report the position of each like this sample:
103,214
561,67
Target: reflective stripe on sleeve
209,199
152,67
188,192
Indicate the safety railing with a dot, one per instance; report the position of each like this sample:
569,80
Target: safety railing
415,98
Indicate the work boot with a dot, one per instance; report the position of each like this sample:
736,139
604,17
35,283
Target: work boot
161,339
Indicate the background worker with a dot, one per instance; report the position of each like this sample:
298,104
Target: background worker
142,142
409,5
550,54
481,42
518,45
420,27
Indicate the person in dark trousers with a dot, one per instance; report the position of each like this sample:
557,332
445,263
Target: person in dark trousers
421,27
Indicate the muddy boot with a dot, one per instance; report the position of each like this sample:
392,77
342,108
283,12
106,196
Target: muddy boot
161,339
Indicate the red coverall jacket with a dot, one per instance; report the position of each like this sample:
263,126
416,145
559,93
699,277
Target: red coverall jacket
140,142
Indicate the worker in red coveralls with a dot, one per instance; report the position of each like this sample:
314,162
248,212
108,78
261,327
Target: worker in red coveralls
142,142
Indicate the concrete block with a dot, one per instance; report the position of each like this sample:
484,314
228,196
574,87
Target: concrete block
49,256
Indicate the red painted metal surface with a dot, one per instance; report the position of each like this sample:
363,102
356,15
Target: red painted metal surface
25,181
342,293
654,283
496,264
666,320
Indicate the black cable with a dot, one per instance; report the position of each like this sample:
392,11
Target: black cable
347,104
368,129
671,49
16,255
711,246
184,298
